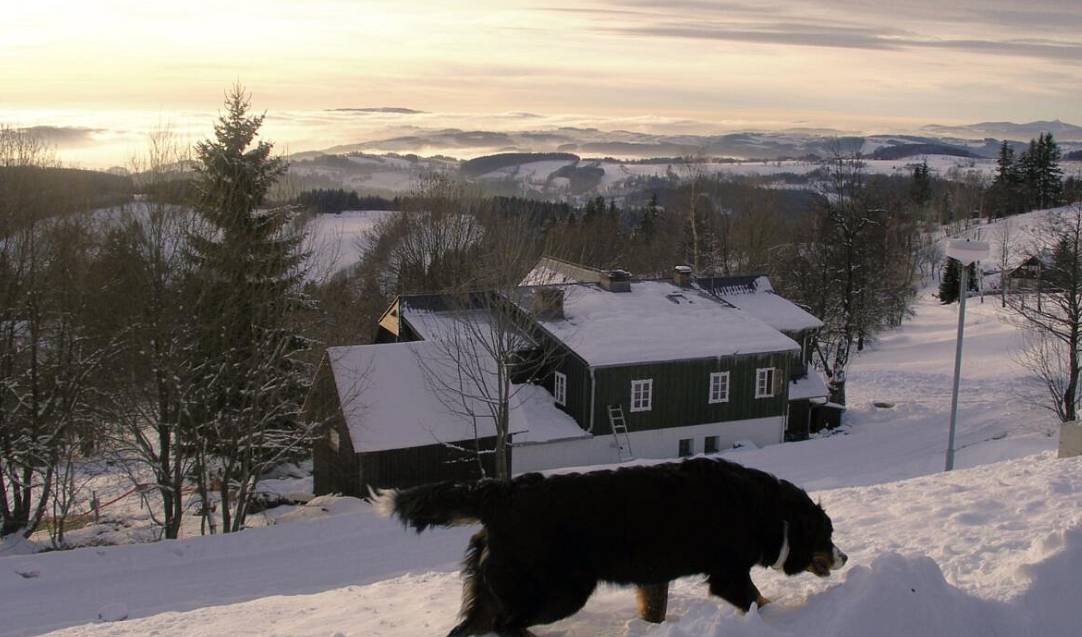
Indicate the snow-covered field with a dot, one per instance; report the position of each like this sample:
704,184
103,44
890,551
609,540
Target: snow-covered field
338,241
991,549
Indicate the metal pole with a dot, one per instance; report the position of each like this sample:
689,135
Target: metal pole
963,289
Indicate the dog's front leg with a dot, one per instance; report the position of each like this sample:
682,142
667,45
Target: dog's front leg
737,589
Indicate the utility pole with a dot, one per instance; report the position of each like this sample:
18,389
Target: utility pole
965,252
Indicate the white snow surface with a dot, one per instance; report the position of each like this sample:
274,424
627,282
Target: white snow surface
658,321
337,241
534,413
391,401
987,551
774,310
993,548
811,386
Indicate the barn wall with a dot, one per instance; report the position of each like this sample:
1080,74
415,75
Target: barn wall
681,392
400,468
334,465
655,443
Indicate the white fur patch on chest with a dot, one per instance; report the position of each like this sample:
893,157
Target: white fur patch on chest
783,554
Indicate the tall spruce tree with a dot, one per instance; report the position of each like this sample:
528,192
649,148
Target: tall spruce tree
1005,185
949,284
250,378
921,187
1049,186
1040,173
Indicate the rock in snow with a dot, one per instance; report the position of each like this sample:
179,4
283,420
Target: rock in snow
113,613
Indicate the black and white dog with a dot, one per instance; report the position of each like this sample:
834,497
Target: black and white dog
547,541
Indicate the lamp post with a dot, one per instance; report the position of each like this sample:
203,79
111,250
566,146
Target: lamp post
965,252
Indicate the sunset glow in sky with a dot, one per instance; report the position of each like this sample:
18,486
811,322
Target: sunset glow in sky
116,66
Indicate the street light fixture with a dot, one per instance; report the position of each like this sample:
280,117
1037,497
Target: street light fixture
965,252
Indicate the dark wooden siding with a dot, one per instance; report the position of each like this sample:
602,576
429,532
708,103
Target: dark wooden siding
799,424
563,360
401,468
801,360
578,388
333,470
681,391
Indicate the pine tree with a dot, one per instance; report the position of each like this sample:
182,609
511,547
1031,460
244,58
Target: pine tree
250,381
1049,185
948,285
648,224
1028,172
1005,185
921,188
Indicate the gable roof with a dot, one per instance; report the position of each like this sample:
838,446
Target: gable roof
755,295
391,400
553,271
658,321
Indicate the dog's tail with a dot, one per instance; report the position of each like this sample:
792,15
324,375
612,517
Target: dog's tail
441,503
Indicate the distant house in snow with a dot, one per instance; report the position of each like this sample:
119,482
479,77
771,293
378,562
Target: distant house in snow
644,368
1031,274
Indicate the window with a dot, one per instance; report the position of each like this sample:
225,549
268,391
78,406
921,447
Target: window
710,444
719,387
642,394
333,439
687,447
559,388
764,382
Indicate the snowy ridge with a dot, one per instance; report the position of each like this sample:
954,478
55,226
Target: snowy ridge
993,550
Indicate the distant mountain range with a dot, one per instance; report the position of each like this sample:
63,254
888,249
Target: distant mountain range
977,140
1062,131
578,162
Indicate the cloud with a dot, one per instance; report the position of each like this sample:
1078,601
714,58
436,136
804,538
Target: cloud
988,27
64,135
397,110
852,38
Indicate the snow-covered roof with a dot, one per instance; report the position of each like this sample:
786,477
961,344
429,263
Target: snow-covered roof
811,386
536,416
757,297
390,399
658,321
553,271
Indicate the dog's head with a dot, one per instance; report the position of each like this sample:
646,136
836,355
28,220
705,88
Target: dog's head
809,535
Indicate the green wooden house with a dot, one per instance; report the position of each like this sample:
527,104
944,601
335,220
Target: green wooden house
636,369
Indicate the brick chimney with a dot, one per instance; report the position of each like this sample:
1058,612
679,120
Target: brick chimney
548,303
682,276
616,280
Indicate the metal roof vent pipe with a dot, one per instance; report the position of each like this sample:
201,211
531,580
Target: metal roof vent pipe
616,280
681,276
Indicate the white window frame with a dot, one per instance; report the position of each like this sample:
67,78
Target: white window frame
645,399
766,374
559,388
722,382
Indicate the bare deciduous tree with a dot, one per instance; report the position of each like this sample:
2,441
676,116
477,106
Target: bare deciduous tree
1055,323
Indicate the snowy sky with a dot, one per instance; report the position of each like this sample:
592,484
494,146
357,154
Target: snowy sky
108,68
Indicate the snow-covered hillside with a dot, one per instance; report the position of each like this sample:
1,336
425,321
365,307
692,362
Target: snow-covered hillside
993,548
374,174
339,241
